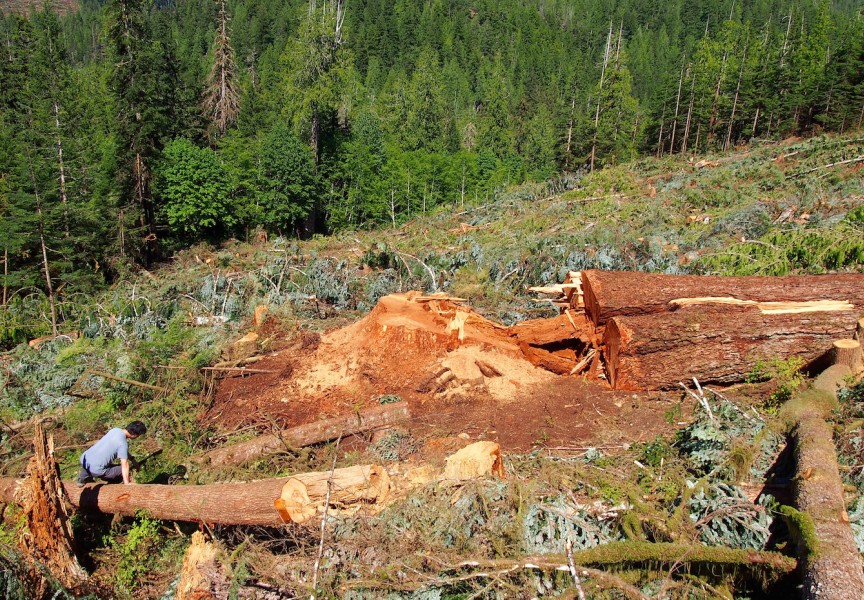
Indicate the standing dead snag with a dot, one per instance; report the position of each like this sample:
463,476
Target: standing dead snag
831,563
48,538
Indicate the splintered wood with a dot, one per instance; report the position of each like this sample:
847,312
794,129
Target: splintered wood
47,541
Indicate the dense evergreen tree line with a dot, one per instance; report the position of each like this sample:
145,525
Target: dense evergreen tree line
131,129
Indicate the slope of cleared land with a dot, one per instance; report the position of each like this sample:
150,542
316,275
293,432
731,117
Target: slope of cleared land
655,471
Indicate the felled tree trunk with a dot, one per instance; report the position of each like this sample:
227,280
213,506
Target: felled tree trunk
47,540
310,433
247,503
714,343
611,294
831,563
272,502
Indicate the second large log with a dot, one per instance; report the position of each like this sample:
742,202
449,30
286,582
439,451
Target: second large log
611,294
310,433
716,344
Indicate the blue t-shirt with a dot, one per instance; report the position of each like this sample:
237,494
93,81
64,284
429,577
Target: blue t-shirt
100,455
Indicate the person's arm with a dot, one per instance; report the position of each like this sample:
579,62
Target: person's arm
124,466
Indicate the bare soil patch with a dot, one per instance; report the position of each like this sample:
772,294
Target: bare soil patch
459,372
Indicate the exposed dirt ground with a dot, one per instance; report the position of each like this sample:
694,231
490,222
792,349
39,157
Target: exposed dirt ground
444,360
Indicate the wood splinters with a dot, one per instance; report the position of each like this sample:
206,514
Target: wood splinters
584,363
487,369
426,384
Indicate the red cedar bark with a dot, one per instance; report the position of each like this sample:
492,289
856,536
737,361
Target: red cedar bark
310,433
247,503
715,344
611,294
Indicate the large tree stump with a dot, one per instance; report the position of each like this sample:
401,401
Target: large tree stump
48,539
714,343
325,430
831,564
611,294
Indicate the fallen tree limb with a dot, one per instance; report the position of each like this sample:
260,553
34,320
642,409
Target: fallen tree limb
131,382
831,564
310,433
620,553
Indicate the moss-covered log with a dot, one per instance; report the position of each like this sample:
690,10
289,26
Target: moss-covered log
832,566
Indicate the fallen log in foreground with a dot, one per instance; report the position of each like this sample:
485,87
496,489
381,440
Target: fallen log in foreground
247,503
611,294
273,502
832,565
310,433
714,343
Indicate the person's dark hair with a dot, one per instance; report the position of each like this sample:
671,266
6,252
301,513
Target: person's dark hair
136,428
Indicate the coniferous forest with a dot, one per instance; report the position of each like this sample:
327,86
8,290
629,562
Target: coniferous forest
132,129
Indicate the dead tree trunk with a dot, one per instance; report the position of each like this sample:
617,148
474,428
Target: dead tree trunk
831,564
715,344
617,293
47,540
310,433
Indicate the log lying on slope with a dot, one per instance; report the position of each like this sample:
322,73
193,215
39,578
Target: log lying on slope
247,503
310,433
273,502
831,563
715,344
611,294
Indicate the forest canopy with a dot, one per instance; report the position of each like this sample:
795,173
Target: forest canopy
132,129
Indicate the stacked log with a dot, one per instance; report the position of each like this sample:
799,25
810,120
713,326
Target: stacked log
610,294
659,329
715,344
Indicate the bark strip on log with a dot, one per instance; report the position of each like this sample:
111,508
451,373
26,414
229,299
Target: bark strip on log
831,564
715,344
610,294
310,433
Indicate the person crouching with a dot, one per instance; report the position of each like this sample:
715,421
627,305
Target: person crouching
98,460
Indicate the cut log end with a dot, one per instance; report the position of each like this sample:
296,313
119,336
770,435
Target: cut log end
848,352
